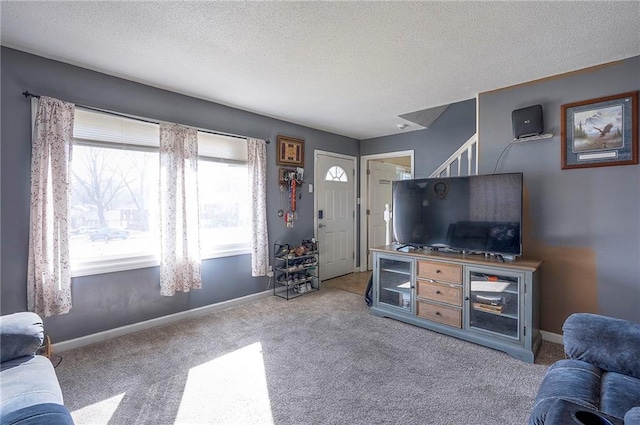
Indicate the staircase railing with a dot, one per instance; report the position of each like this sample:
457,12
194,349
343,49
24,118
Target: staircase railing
466,155
465,159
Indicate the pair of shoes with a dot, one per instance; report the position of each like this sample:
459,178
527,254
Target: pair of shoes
283,251
284,279
300,250
310,244
311,261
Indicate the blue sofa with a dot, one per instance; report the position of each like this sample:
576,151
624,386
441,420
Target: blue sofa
599,382
29,389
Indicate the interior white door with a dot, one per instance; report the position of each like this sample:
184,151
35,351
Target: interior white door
380,180
335,215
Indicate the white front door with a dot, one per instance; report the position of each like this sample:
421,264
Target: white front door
335,214
380,181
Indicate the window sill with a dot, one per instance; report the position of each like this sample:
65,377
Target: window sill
113,265
141,262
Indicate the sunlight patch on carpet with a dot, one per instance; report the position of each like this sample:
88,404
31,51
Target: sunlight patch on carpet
231,389
103,409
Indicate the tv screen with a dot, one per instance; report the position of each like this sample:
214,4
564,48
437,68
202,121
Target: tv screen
480,214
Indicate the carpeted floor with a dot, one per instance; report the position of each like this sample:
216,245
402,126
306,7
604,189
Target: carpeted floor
317,359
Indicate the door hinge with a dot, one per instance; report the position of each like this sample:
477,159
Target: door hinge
368,212
525,288
525,331
368,171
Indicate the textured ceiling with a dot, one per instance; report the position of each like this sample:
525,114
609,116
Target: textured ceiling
346,67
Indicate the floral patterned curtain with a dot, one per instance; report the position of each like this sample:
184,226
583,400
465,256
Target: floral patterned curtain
257,155
49,270
179,216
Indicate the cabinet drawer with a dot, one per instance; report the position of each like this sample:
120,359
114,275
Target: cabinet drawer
440,271
440,292
439,313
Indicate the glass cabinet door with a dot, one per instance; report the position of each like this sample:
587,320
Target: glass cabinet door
494,303
394,283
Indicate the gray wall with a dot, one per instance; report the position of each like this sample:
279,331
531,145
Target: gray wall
102,302
433,145
584,223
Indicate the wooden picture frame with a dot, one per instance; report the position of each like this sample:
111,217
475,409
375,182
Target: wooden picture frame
600,132
290,152
283,175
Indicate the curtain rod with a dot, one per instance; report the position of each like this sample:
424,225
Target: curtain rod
37,96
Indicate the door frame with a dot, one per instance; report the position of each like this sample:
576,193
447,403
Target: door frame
316,178
364,197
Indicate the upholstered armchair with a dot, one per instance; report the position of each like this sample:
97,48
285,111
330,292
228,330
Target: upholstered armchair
599,382
29,389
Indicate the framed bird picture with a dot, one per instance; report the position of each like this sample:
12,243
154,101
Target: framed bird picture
600,132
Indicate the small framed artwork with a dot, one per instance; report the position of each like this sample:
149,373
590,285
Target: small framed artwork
600,132
290,152
285,175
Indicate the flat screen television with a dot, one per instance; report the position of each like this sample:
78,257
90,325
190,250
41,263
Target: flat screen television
471,214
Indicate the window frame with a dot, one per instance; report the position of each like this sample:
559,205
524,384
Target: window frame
225,250
140,261
337,178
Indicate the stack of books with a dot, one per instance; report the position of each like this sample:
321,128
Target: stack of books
492,302
488,307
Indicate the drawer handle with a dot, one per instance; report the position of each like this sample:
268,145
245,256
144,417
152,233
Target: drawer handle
438,313
438,271
438,292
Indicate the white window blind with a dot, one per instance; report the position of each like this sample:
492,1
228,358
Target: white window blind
222,147
101,127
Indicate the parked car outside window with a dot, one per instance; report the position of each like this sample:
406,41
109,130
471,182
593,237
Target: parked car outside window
83,230
108,233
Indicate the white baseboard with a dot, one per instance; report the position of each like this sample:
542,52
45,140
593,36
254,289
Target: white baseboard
196,312
159,321
551,337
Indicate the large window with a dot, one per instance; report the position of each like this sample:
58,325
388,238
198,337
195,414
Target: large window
223,185
114,194
113,203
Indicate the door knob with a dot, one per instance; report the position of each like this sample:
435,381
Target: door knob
320,225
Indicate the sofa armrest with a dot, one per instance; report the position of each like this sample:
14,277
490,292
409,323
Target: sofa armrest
40,414
558,411
21,334
632,417
608,343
